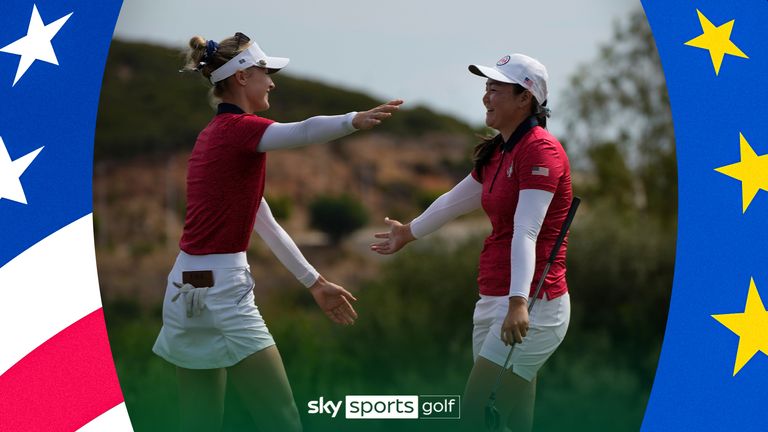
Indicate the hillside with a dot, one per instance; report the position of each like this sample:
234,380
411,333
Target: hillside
148,108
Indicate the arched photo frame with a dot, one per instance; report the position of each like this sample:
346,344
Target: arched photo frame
56,370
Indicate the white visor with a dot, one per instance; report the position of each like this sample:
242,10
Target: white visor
253,56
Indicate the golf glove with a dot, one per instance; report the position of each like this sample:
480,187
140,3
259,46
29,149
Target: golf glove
194,298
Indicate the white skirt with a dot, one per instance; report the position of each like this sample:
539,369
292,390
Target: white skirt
230,327
548,324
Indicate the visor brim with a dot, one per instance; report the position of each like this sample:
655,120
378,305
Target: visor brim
275,64
492,73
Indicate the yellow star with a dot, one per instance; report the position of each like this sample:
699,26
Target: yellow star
717,40
752,171
751,326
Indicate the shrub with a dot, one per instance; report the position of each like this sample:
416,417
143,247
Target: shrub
281,206
337,216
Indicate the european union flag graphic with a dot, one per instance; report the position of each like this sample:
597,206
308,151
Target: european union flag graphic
56,368
713,369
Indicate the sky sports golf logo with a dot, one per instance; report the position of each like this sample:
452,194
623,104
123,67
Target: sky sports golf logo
390,407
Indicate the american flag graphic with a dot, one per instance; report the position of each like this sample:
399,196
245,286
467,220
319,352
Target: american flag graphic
56,368
528,82
540,171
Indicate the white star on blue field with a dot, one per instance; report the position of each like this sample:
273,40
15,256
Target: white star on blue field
52,56
11,171
36,45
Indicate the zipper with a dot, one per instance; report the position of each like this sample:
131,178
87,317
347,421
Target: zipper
503,154
517,135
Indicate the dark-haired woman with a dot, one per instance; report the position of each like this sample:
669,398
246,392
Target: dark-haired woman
211,326
521,179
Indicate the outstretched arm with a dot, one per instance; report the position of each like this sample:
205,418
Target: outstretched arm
462,199
321,129
332,299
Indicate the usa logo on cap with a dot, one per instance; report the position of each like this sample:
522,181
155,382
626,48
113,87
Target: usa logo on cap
504,60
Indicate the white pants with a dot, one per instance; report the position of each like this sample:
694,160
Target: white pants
548,325
230,327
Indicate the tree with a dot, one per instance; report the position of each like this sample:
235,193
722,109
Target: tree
337,216
619,119
622,247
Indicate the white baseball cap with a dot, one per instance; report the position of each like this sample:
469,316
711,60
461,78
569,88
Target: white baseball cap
253,56
518,69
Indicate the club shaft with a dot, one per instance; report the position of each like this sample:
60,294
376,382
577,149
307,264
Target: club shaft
560,238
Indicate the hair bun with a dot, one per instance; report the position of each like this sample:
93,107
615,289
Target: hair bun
197,42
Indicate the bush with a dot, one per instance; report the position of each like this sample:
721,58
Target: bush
337,216
425,198
281,206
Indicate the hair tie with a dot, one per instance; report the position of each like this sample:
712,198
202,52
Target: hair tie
210,50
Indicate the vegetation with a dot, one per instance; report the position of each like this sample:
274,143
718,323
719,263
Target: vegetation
337,216
281,206
620,125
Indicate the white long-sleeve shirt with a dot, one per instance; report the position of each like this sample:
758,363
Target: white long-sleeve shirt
278,136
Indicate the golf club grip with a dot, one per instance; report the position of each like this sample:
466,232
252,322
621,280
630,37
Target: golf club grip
564,230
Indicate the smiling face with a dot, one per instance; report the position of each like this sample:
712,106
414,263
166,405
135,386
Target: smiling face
257,86
249,89
506,106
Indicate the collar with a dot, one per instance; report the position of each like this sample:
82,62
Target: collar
507,147
520,132
228,108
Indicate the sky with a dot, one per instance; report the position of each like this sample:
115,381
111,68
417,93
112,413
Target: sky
416,50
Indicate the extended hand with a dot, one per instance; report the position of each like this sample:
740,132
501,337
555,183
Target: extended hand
398,236
334,301
374,117
515,325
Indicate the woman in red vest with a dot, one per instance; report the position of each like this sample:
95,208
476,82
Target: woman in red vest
211,326
521,179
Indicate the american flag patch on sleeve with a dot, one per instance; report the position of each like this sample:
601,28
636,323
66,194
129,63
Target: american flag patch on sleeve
541,171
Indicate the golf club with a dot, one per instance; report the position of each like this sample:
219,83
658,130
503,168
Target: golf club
492,416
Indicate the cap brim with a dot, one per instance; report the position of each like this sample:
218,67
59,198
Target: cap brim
492,73
274,64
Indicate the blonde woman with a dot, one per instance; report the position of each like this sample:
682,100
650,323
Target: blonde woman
211,326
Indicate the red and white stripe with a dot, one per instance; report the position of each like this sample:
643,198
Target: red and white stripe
56,367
